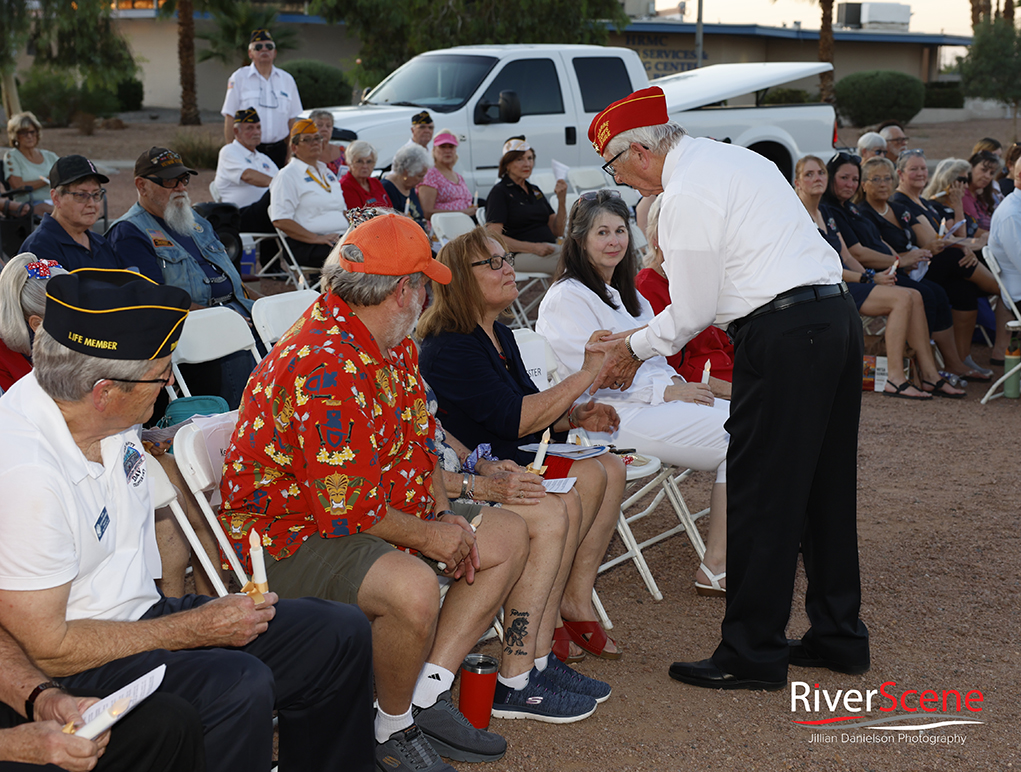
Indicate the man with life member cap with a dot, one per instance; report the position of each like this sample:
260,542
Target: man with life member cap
740,253
172,244
64,235
269,90
78,590
332,461
243,173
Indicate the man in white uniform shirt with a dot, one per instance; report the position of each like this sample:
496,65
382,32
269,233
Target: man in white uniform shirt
270,90
243,173
740,253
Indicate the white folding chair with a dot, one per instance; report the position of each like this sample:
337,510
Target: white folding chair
209,334
450,225
164,494
1013,326
273,315
641,243
587,179
480,215
660,480
201,466
544,181
214,191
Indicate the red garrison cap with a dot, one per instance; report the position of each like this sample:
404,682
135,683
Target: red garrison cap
642,108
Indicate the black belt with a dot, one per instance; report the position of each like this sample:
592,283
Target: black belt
793,297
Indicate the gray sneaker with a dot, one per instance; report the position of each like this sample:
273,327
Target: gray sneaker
409,751
453,736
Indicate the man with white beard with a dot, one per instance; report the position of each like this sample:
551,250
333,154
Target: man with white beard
163,238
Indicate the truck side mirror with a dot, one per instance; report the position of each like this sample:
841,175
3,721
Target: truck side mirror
509,108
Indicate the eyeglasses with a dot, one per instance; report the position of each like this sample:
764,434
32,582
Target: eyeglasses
880,180
261,46
608,166
184,179
915,151
28,133
309,139
496,262
83,197
898,141
602,195
161,381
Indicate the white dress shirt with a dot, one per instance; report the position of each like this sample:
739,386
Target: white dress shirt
734,236
235,159
309,196
1005,242
275,99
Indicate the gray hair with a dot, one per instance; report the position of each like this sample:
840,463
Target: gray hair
887,131
652,229
69,376
871,140
360,149
21,296
359,289
660,139
411,160
321,114
948,170
868,168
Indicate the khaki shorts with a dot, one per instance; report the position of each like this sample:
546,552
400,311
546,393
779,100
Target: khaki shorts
335,568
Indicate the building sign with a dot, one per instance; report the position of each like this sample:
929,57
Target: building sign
663,54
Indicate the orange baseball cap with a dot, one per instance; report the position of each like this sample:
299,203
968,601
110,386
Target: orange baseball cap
304,126
642,108
393,245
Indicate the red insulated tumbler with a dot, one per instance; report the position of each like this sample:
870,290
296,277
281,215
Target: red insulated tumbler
478,684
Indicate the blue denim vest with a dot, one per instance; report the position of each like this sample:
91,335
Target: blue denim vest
179,268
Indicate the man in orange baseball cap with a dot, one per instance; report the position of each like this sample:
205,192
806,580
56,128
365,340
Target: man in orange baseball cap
740,253
332,464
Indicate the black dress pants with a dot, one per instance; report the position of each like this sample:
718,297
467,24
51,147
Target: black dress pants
791,481
313,665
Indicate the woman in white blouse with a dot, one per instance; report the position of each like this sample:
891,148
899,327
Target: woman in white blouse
660,414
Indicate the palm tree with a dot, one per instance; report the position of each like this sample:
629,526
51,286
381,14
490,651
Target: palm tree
186,59
235,21
826,48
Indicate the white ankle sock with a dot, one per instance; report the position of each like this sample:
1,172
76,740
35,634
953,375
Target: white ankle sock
432,682
541,663
517,683
386,724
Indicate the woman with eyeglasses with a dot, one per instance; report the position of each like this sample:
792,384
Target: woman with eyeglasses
876,294
866,244
359,186
981,195
903,224
517,210
65,234
306,201
950,253
486,395
661,414
26,164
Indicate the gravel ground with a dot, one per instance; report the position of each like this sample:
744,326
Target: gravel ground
938,525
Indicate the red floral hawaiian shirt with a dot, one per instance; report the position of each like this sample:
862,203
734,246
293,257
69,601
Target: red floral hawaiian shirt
329,432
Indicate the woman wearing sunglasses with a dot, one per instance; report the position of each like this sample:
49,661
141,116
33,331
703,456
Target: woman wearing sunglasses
660,413
485,395
876,294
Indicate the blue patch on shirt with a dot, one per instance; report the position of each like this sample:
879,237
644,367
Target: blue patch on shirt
101,524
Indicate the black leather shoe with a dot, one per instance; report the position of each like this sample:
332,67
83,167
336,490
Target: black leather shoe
708,676
802,656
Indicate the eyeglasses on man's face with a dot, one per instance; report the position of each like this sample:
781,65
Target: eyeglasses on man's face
173,182
261,46
496,261
608,166
161,381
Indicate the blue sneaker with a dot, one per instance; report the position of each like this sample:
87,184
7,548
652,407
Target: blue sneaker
541,701
566,679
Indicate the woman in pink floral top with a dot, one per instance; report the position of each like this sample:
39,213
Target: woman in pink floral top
443,189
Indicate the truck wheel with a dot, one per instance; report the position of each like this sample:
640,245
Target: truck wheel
778,154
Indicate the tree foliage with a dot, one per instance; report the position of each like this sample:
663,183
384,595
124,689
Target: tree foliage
869,97
992,67
228,43
392,31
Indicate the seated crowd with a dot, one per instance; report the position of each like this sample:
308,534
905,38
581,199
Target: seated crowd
375,479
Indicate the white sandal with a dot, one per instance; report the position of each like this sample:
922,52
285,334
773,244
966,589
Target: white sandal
713,589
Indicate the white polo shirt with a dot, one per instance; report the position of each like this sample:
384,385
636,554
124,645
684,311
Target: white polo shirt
275,99
734,236
67,519
235,159
310,196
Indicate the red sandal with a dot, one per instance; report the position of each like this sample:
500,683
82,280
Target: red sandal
595,643
562,647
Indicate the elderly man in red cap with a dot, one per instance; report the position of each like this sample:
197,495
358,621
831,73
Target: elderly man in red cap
740,254
332,461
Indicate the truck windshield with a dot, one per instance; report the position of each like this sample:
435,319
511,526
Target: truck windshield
442,83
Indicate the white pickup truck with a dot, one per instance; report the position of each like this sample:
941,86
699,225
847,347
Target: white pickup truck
551,93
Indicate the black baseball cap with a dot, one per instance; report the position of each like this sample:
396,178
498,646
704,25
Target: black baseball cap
160,162
72,168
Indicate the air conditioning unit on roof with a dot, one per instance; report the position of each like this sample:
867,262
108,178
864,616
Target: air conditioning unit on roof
894,17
